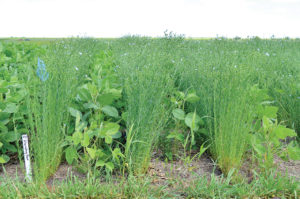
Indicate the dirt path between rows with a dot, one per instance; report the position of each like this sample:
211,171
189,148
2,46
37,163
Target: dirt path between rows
161,171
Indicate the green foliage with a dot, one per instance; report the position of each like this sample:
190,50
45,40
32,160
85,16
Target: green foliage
47,101
108,104
92,146
178,114
147,79
186,126
223,100
270,186
132,187
110,111
263,186
266,141
13,60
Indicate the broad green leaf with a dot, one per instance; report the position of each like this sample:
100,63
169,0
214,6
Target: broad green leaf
258,138
173,100
204,131
87,115
109,166
192,98
117,152
110,111
177,136
260,94
1,145
117,135
77,121
117,93
93,124
10,136
4,159
3,128
10,147
181,95
79,126
22,131
4,117
294,152
100,153
257,125
77,137
192,120
124,116
266,123
90,106
91,152
92,133
282,132
260,149
3,90
106,99
92,89
111,128
101,132
16,98
178,114
257,144
270,112
71,154
11,108
108,139
275,140
86,140
74,112
100,163
84,94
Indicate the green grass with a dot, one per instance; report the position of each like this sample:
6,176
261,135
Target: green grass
271,186
85,188
142,187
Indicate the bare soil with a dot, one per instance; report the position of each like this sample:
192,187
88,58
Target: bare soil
161,171
291,168
15,172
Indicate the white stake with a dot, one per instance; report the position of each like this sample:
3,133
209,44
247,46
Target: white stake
28,175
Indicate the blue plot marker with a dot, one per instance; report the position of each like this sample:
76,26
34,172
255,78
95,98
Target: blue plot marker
41,70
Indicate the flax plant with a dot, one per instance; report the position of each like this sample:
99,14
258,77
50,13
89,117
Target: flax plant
51,87
147,83
223,88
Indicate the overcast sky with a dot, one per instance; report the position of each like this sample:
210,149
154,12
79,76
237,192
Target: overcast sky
116,18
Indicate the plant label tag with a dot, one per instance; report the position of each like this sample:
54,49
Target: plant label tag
28,176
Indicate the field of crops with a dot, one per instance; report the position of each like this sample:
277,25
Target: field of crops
138,117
